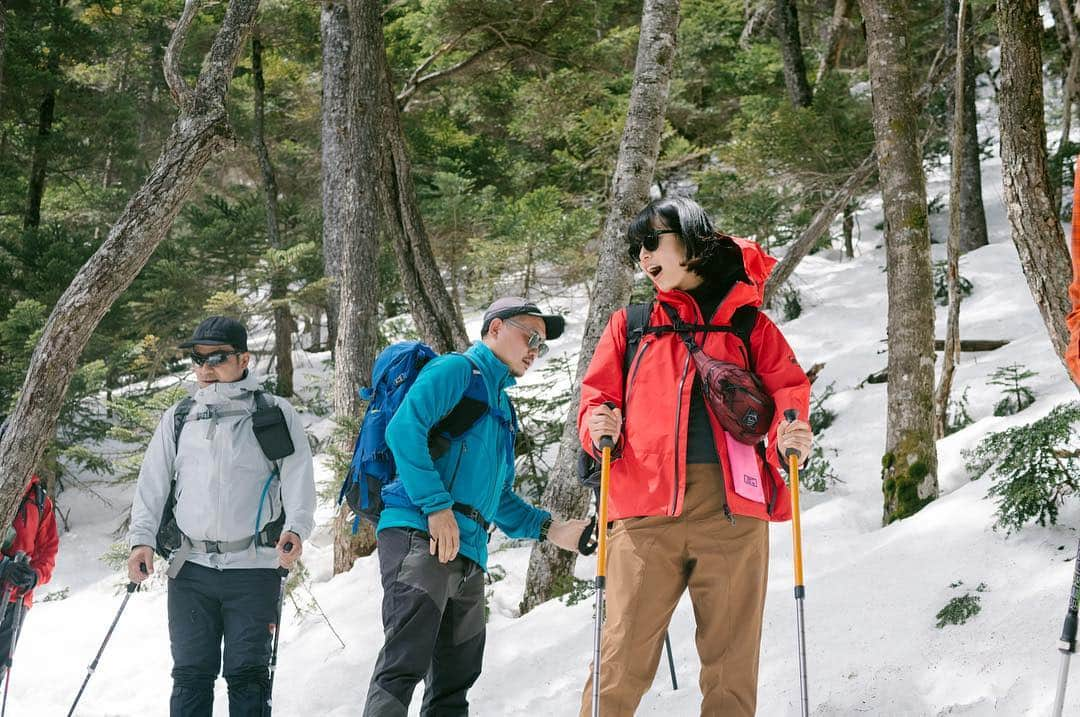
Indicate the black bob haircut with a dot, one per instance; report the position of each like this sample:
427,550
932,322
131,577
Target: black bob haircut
715,257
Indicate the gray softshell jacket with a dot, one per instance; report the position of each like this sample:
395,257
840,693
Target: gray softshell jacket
221,473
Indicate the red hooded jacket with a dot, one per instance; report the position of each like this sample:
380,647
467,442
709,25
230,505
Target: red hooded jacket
649,475
35,535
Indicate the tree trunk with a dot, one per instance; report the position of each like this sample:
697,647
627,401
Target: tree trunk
3,42
358,326
952,325
638,150
1036,229
831,57
909,467
972,214
40,157
787,30
279,288
849,231
200,131
334,28
1068,96
430,304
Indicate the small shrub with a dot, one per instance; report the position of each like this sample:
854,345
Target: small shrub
575,590
791,305
821,417
818,474
1033,469
1017,396
941,284
959,610
958,415
57,595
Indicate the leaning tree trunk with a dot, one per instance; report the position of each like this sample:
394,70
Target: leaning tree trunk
972,214
279,287
787,30
353,219
638,149
201,130
952,324
430,303
909,467
1036,229
831,57
334,29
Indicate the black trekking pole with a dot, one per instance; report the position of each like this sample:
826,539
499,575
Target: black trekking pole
16,624
670,660
284,574
1067,645
131,587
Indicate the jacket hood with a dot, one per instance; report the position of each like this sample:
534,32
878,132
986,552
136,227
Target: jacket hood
757,264
223,392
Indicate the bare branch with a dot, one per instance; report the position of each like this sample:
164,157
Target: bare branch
414,84
178,88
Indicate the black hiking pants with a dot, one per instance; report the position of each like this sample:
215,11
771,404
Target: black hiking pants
206,606
433,619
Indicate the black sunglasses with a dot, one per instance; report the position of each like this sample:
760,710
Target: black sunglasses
648,240
213,360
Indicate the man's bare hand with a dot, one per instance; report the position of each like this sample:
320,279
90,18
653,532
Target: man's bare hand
445,537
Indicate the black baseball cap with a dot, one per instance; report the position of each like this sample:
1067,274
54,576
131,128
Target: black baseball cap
509,306
219,331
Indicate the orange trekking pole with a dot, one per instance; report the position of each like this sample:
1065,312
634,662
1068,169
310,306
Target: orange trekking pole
606,445
796,538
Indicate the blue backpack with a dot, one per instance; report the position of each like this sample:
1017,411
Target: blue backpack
372,467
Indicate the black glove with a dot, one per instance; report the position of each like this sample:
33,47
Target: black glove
21,576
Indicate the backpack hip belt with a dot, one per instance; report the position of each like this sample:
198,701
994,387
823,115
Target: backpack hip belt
219,547
472,514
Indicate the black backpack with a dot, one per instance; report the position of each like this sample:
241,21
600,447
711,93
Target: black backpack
272,432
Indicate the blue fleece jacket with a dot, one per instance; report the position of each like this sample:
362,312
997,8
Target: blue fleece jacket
477,470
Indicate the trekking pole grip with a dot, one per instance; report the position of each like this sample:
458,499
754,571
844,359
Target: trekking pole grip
792,415
608,441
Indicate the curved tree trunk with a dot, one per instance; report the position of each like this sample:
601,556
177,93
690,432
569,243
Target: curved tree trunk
430,303
787,30
201,130
638,149
279,289
910,464
1036,229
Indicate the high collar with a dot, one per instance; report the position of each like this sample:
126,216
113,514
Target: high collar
493,368
757,265
223,392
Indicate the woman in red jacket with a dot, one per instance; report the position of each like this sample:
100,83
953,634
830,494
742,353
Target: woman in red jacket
679,521
32,532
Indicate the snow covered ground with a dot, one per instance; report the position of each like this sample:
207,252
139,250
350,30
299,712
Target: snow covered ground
872,592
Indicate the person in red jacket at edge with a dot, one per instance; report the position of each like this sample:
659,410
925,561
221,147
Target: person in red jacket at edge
32,532
677,520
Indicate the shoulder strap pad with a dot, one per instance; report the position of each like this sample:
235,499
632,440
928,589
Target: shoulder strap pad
637,318
743,321
179,417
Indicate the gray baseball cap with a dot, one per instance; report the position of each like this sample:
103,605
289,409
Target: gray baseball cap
509,306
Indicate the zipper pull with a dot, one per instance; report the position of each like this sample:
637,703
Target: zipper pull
728,514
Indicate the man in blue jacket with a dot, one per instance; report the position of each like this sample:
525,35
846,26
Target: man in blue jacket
433,530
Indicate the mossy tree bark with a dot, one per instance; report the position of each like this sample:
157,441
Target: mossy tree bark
909,468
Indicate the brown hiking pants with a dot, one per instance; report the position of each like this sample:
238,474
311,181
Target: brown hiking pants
651,561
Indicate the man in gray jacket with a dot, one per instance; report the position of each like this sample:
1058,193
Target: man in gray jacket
241,505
